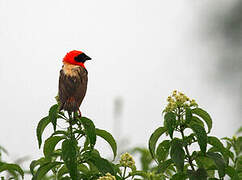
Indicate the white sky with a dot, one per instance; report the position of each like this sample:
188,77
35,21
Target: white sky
141,51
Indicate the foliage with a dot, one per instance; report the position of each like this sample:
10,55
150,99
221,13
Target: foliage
70,153
13,171
186,151
184,124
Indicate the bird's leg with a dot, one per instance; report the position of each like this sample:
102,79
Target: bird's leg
80,114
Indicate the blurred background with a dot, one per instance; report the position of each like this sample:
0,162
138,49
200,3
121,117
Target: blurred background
142,50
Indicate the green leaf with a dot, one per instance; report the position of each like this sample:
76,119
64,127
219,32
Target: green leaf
65,178
219,147
232,173
35,163
60,132
40,128
69,156
109,138
103,165
219,161
196,120
62,171
140,173
179,176
238,164
12,167
50,144
188,140
145,157
154,138
238,145
3,150
215,142
44,169
205,116
188,115
239,130
201,136
53,115
89,129
177,154
163,166
200,174
162,151
170,123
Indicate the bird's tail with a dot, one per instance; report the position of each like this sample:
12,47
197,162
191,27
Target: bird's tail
70,105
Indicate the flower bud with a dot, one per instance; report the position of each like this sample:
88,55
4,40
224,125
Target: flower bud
108,176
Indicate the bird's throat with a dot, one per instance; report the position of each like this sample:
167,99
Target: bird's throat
70,69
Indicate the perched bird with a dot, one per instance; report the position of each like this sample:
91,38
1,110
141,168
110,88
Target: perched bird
73,81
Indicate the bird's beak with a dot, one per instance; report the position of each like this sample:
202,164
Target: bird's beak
88,58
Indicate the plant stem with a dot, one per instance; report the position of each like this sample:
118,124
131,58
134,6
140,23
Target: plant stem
124,172
187,152
186,148
70,123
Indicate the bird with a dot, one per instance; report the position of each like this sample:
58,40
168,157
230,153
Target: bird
73,80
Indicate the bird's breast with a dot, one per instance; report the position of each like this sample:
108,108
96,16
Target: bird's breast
71,70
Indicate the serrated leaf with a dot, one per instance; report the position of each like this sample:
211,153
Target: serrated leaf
162,167
205,116
40,128
50,144
12,167
103,165
201,136
44,169
53,115
177,154
109,138
219,161
170,123
69,156
89,129
188,115
162,150
154,138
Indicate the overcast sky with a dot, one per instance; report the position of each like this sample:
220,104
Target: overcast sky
142,50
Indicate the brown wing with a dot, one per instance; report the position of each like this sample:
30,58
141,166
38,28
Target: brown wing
72,89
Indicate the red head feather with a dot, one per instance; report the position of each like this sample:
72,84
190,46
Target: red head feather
69,58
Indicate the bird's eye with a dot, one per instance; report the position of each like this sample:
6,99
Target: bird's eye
80,58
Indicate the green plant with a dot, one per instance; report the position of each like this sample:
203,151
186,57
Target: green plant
76,158
70,153
175,157
187,152
12,170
